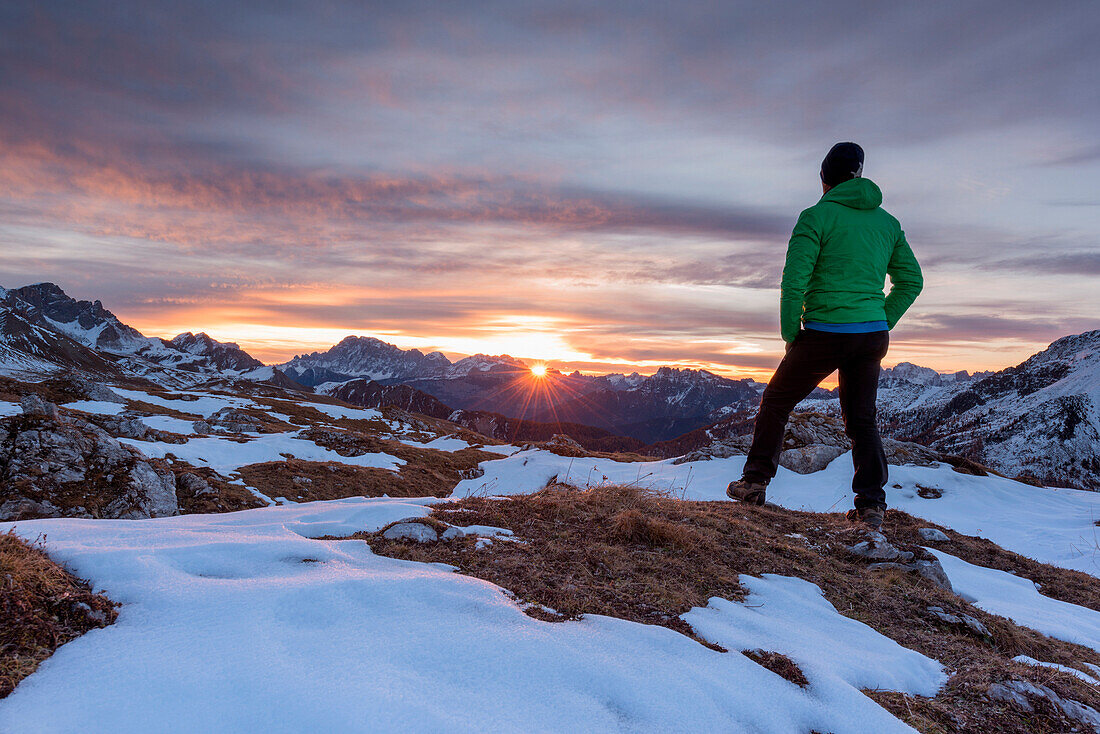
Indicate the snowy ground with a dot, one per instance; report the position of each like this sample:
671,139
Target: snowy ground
244,621
1054,526
241,622
225,455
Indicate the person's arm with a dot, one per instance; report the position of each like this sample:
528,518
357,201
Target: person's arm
906,281
802,252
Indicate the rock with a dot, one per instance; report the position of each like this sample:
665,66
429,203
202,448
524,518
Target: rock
733,446
1005,694
876,548
133,427
452,533
231,420
32,404
202,427
301,481
1021,693
933,571
810,443
54,468
961,620
809,458
81,385
194,485
21,508
416,531
932,535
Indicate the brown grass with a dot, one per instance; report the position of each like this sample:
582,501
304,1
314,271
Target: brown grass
624,552
779,664
426,473
42,606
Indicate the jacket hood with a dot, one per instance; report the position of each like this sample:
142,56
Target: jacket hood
857,193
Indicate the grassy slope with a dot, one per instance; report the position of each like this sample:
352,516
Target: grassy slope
621,552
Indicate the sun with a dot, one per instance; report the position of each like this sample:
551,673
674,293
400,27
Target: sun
538,370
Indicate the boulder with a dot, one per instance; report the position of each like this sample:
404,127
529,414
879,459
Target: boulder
875,547
92,390
229,420
809,458
415,531
34,405
932,535
194,485
452,533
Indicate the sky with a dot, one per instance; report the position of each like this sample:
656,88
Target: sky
607,186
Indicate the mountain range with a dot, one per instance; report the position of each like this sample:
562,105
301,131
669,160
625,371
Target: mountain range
1038,419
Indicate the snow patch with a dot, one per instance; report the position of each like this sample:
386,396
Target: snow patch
998,592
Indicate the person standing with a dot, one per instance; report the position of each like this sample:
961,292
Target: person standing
835,317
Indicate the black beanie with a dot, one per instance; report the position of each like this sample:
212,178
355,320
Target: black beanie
844,161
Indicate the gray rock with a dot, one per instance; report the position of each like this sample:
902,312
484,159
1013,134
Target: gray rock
1005,694
563,441
809,458
1021,693
193,484
416,531
876,548
452,533
60,468
33,404
93,390
811,442
123,426
21,508
230,420
933,571
960,620
933,535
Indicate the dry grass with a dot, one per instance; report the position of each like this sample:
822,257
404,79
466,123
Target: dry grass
779,664
426,473
636,555
42,606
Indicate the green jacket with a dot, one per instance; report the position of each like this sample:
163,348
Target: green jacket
840,253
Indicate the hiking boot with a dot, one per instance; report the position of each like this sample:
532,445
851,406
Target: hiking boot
869,516
748,492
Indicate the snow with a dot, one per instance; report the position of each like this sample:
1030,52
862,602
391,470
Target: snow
100,407
838,655
226,456
1057,527
1001,593
204,404
168,423
244,622
442,443
1057,666
8,408
341,411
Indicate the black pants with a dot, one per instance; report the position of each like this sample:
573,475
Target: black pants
813,356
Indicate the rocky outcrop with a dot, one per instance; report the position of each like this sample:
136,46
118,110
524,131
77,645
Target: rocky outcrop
128,426
229,420
811,442
57,466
